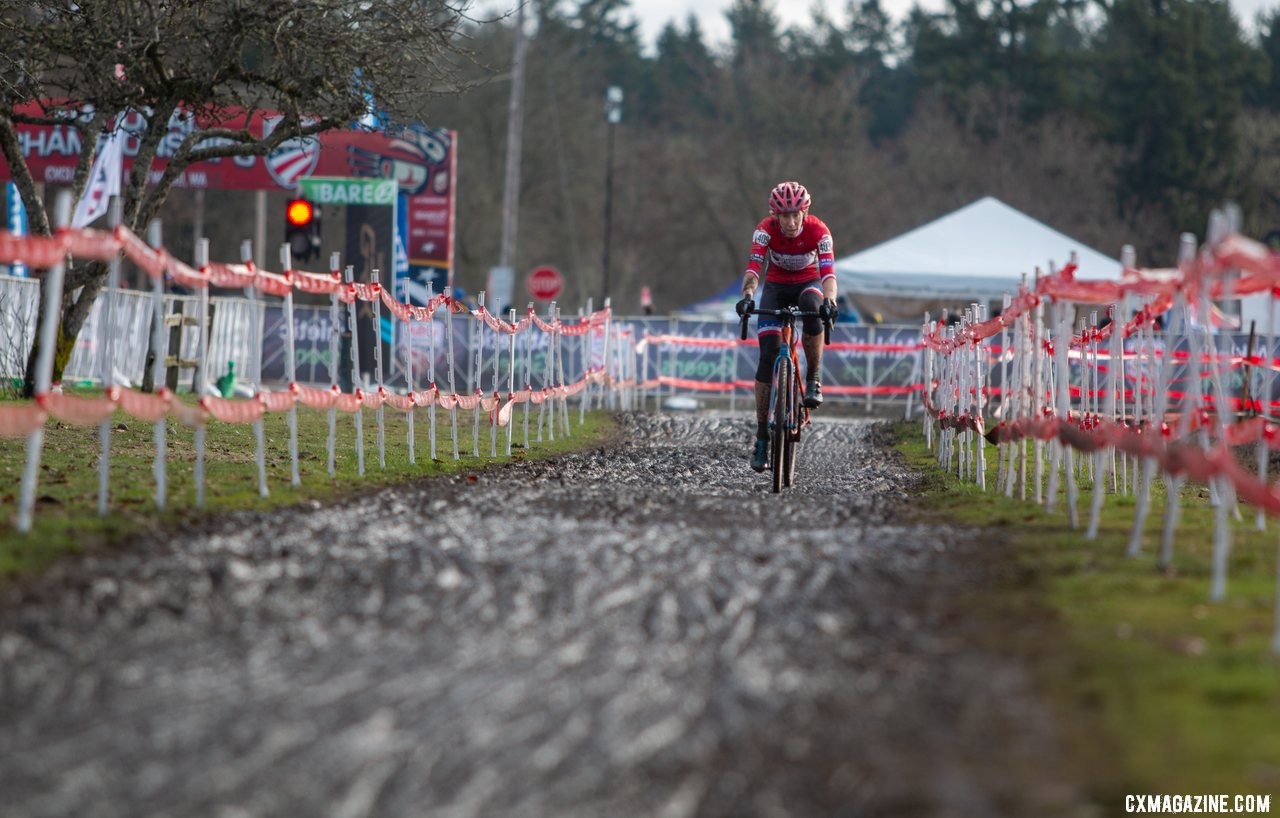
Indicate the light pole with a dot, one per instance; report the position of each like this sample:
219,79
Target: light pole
612,115
497,285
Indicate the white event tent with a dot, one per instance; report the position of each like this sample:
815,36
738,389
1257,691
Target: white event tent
978,252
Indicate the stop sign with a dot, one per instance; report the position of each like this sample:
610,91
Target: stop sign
544,283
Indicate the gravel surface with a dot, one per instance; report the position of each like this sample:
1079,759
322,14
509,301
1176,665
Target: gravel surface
641,630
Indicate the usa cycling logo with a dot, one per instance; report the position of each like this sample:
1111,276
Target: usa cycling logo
293,159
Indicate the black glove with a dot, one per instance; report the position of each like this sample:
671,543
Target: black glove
745,306
828,311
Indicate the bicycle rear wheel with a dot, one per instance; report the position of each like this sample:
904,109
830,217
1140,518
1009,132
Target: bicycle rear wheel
783,387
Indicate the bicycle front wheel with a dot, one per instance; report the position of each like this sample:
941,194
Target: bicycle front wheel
783,387
789,461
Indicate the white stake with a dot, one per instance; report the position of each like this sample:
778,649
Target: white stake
358,416
106,366
257,317
431,368
1225,417
377,364
407,334
1038,356
1003,450
49,322
160,431
528,375
511,374
493,426
453,389
1173,488
202,366
1115,385
478,390
1264,400
335,336
564,401
1055,449
548,406
1160,397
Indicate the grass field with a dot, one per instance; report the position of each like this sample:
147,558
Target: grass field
1160,690
66,518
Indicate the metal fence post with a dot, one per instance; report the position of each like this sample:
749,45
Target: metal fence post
335,335
377,364
44,369
160,432
354,328
106,343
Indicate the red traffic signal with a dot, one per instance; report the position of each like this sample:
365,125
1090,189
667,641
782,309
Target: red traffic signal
302,229
299,212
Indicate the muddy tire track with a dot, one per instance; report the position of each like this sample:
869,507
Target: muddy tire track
642,630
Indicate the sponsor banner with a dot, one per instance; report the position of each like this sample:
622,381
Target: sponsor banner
421,160
325,190
429,229
399,251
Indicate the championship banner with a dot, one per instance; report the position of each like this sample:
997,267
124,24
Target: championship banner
421,160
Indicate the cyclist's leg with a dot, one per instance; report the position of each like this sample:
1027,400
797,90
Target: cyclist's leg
810,301
769,335
770,346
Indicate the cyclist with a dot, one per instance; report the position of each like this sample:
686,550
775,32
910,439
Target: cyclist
794,254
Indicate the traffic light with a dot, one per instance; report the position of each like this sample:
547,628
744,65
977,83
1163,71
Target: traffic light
302,229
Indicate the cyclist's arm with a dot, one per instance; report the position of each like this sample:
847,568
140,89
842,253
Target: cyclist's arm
827,263
755,261
829,287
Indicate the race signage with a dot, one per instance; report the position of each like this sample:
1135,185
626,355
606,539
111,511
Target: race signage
544,283
330,190
422,160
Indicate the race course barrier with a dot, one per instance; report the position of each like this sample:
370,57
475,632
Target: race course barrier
868,363
596,373
1106,390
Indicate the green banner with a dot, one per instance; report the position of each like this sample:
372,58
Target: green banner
336,190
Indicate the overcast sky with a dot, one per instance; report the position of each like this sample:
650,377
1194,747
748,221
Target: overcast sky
654,14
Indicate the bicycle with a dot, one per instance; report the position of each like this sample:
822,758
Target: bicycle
788,416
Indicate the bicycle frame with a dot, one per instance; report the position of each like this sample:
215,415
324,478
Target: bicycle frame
796,416
788,415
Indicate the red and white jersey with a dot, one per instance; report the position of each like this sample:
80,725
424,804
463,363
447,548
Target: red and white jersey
809,255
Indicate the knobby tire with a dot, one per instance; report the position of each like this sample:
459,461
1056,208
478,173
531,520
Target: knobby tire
789,460
783,386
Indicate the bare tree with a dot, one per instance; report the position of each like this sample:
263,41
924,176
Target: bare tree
315,63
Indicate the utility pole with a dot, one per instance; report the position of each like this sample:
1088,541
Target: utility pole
612,115
515,127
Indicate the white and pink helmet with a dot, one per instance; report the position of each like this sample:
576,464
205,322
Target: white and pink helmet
788,197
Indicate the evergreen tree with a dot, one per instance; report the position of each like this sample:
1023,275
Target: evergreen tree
754,26
684,78
989,57
1171,92
1263,88
888,81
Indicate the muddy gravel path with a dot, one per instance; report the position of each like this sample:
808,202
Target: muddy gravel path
643,630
